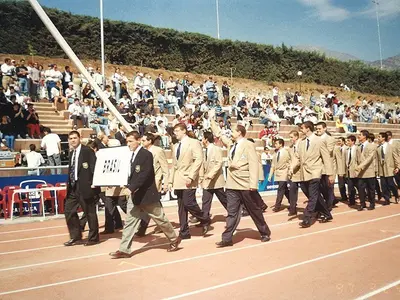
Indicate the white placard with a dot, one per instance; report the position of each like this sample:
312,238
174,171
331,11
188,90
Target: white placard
112,166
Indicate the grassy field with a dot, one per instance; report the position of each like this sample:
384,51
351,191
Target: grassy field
249,87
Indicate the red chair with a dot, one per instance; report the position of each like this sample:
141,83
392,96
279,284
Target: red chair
61,196
3,203
9,191
46,196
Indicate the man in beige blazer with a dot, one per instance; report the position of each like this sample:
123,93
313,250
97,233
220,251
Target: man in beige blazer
313,156
279,169
339,159
187,160
350,168
213,181
388,165
242,180
396,146
294,176
326,188
366,170
371,140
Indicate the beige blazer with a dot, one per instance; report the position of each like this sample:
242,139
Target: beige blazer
160,165
351,168
239,176
280,168
188,165
312,161
339,159
391,161
296,176
366,161
213,176
330,143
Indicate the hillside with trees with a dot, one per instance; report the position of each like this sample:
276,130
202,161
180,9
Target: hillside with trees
137,44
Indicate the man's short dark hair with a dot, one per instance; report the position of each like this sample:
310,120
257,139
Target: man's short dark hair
371,136
241,129
309,125
209,137
181,126
352,138
150,137
365,133
47,129
136,135
74,132
32,147
280,141
384,135
323,124
389,133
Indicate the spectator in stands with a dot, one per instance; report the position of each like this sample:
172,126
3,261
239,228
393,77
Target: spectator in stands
51,142
52,77
95,122
7,71
102,140
225,92
75,110
34,160
70,93
159,83
67,78
32,119
365,114
121,135
18,121
57,96
22,75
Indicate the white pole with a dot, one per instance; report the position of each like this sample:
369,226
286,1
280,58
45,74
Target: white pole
102,38
72,56
217,5
379,31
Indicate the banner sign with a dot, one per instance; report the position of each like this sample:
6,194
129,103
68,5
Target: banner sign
112,166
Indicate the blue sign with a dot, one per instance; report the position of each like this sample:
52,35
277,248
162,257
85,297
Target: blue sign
265,185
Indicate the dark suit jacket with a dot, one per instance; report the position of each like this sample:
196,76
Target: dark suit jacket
142,179
120,138
86,164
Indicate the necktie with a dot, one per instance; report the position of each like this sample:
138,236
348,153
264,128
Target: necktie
350,156
341,150
294,149
233,150
132,157
308,144
72,168
277,158
362,148
382,153
206,153
178,151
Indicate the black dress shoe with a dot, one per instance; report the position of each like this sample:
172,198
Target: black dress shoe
185,237
264,208
361,208
119,254
265,238
91,243
72,242
107,232
305,224
206,228
371,208
277,209
325,219
291,214
386,203
223,244
396,200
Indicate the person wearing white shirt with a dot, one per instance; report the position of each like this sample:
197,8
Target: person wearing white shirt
75,110
34,160
52,143
7,70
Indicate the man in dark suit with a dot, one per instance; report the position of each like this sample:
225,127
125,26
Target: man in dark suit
120,135
144,198
82,161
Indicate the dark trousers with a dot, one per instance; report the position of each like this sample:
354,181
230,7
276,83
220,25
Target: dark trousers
259,200
112,215
327,191
293,196
352,185
74,200
388,186
207,200
235,200
316,203
397,180
187,203
366,186
342,187
282,191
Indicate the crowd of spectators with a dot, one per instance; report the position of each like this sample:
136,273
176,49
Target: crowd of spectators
188,101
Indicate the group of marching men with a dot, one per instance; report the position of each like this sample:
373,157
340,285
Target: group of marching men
314,159
311,163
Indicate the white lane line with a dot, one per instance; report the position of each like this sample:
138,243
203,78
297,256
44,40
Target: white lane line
244,279
220,252
31,250
378,291
33,229
33,238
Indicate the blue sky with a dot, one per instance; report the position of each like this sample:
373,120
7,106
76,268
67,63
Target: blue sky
347,26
